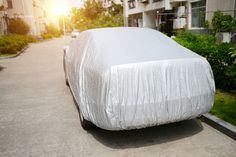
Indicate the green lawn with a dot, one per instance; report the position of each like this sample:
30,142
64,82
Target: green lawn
225,106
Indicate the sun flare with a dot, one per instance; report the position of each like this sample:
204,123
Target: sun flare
56,8
59,10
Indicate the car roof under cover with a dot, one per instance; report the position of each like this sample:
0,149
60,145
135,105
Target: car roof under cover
125,45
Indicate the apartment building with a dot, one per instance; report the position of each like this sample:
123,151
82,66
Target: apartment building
30,11
169,15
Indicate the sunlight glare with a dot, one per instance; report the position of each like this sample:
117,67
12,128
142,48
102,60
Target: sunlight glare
58,8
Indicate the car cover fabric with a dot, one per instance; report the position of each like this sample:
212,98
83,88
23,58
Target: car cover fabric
127,78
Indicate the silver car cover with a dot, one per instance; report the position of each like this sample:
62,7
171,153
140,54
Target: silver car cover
126,78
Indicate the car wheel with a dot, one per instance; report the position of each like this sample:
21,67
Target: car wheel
86,125
67,83
64,67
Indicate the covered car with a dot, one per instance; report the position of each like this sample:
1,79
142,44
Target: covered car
127,78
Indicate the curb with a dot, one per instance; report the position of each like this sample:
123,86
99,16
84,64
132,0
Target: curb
16,55
224,127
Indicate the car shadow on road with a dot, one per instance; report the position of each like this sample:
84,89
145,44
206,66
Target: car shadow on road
1,68
147,136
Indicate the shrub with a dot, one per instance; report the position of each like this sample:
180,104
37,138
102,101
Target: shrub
47,36
18,26
222,23
222,63
11,44
51,31
219,56
29,38
206,24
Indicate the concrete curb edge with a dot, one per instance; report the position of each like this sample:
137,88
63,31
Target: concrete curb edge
222,126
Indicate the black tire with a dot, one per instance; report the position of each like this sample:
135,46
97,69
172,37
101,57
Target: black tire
64,67
86,125
67,83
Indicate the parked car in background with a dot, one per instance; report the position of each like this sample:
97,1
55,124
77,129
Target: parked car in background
75,33
128,78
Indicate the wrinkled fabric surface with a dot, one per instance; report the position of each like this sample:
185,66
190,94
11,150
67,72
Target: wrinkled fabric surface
127,78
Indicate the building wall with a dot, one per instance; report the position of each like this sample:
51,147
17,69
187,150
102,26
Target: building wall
226,6
154,11
19,8
29,13
40,16
149,19
143,7
25,10
161,7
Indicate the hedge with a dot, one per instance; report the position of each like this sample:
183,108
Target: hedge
219,56
11,44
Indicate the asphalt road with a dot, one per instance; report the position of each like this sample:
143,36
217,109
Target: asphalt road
38,118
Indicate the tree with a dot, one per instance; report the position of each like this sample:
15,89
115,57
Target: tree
93,15
115,9
18,26
93,9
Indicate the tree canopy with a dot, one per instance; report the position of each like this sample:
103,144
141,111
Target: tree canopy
94,15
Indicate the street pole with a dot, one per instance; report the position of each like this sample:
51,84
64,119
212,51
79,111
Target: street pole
64,25
125,11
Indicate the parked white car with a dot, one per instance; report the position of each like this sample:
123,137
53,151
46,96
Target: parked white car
75,33
127,78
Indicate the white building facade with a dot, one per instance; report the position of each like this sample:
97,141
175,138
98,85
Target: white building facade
30,11
169,15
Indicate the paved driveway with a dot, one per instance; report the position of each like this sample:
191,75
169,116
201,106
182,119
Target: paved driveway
38,118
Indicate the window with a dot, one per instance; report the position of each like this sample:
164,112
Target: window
198,13
131,4
156,1
9,4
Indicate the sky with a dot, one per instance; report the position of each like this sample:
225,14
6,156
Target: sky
74,3
56,8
